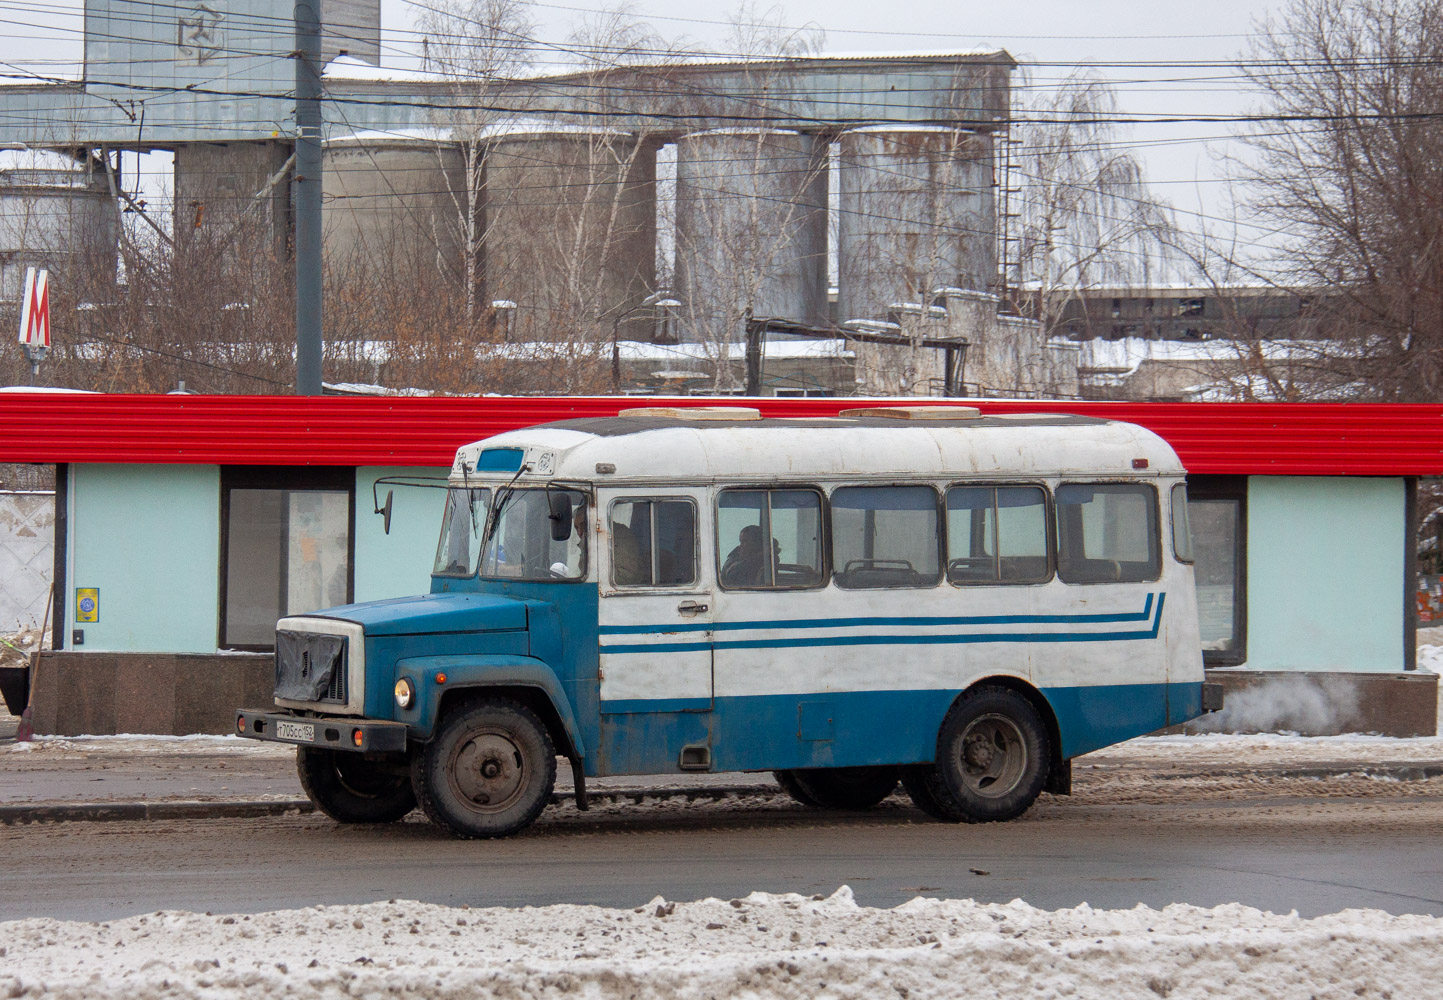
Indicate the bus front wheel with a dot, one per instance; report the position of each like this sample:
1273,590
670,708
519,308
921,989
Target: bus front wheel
992,759
838,787
489,770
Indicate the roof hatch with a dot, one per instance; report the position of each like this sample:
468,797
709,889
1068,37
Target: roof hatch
915,412
695,412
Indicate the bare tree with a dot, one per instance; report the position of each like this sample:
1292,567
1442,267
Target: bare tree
1087,218
1348,168
478,45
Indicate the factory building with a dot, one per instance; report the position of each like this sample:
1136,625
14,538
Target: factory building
875,173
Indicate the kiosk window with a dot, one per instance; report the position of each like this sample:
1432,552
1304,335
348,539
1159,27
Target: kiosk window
885,536
772,539
997,534
1217,512
286,547
653,543
1107,533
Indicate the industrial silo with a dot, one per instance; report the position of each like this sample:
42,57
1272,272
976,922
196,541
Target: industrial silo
916,212
56,214
570,225
390,198
751,230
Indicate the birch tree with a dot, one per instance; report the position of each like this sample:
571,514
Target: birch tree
1087,217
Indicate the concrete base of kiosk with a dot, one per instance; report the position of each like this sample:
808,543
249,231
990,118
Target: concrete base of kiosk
96,694
1323,703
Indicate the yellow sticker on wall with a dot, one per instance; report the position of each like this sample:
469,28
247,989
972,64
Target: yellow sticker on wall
87,604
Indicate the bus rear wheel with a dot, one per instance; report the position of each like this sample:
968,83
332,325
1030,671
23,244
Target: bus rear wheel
992,759
838,787
351,789
489,770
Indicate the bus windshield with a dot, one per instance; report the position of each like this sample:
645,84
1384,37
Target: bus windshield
461,531
521,545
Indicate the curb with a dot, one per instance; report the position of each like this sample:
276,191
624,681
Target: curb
1398,772
96,812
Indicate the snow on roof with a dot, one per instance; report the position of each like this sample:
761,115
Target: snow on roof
1126,354
349,68
1179,288
917,308
900,127
775,349
741,131
421,133
1256,388
684,61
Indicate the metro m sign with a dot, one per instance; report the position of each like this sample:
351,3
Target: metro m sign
35,309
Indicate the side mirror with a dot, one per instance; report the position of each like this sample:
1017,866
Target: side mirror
385,510
560,513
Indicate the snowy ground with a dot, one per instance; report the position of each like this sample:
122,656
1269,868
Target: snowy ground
763,946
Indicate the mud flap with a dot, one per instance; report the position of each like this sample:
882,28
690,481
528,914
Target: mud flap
578,778
1059,778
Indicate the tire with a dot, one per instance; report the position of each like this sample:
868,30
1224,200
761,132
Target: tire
914,780
992,758
792,787
839,787
351,789
488,771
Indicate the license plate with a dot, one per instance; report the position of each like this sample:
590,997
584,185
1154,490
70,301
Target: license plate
300,731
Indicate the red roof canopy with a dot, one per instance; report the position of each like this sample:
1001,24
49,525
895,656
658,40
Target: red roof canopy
1324,439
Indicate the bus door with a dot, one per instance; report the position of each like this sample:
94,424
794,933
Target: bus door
655,613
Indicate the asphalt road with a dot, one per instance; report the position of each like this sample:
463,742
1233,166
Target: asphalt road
1306,844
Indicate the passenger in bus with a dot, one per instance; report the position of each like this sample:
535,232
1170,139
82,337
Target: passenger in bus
745,565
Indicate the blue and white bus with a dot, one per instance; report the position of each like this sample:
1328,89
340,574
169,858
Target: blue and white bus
915,594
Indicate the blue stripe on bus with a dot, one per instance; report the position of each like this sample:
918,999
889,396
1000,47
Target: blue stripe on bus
798,623
761,732
890,640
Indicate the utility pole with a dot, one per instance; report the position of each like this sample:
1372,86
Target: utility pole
307,200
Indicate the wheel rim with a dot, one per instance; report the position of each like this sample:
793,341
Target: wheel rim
992,756
487,771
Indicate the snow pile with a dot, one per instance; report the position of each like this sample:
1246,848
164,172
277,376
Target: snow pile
763,946
1258,749
145,744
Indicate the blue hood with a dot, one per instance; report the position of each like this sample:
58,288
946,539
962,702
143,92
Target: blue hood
432,613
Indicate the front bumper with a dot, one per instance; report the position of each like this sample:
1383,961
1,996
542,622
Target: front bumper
1212,698
330,732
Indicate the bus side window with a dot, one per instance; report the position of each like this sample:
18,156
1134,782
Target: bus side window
997,534
772,539
885,536
653,543
1107,533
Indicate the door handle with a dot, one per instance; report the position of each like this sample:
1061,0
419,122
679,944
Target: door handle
690,608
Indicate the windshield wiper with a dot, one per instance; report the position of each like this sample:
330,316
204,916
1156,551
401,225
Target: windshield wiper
503,495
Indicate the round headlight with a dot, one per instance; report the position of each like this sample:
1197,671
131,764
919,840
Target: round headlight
405,692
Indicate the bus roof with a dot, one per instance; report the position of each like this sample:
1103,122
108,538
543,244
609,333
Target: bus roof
675,449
